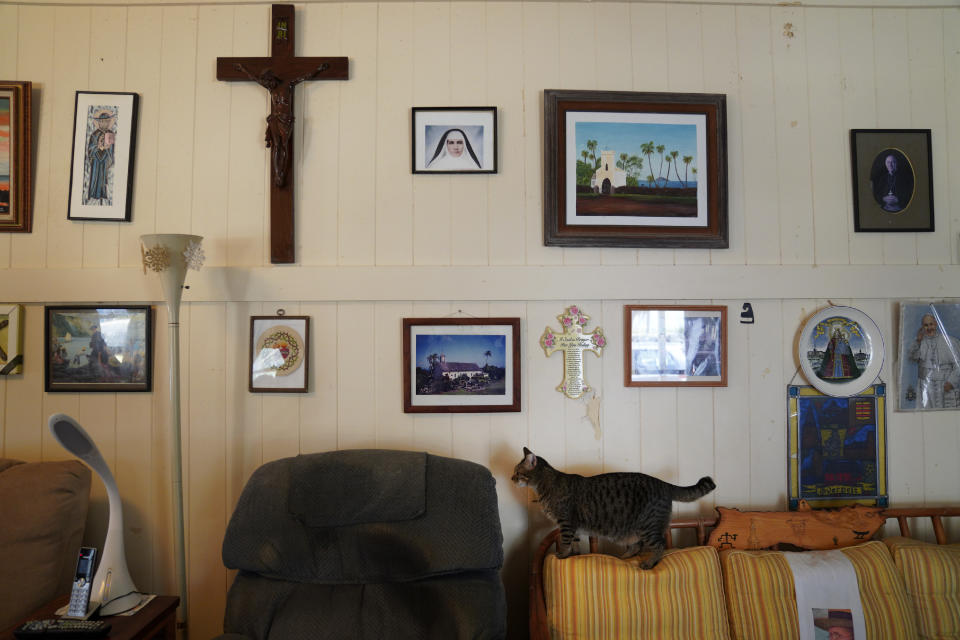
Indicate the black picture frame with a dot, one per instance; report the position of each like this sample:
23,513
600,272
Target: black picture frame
101,164
98,348
432,127
876,206
450,386
582,208
279,354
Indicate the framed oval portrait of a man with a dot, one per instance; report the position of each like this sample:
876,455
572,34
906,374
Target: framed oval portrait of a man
892,180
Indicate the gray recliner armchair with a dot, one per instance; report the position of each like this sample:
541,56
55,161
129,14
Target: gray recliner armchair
366,545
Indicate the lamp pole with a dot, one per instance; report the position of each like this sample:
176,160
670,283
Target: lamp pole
170,255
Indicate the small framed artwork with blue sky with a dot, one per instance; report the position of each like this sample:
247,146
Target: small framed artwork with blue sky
461,365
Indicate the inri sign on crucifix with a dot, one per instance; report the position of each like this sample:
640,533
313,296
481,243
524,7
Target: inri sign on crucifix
279,74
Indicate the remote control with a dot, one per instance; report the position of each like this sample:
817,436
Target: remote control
59,628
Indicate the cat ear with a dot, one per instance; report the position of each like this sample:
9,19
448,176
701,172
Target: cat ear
529,458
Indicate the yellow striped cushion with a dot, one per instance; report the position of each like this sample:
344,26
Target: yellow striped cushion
762,604
602,597
931,574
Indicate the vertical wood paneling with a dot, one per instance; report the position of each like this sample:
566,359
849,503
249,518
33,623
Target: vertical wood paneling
431,88
358,113
394,187
142,74
177,119
9,28
732,417
356,355
828,137
721,75
394,427
759,136
23,415
859,110
949,194
243,433
319,407
792,135
469,239
135,473
619,429
766,401
927,101
505,89
319,138
541,70
35,56
107,73
248,193
71,72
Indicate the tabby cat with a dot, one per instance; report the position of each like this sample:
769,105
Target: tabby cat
628,508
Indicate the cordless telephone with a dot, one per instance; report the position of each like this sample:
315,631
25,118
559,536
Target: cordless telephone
82,582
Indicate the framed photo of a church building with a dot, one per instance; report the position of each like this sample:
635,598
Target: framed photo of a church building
461,365
635,169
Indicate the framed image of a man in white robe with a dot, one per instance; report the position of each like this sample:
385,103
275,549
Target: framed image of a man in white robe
929,356
454,140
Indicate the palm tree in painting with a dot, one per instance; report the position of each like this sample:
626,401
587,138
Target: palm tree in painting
647,149
487,355
622,161
650,179
669,159
586,155
592,146
433,359
686,168
676,170
660,149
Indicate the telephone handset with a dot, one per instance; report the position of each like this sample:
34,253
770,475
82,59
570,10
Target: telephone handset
82,582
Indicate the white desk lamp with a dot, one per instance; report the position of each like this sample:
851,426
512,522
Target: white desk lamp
112,585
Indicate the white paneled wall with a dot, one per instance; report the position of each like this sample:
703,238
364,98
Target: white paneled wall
376,244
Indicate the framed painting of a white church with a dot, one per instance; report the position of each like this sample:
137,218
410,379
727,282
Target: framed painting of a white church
461,365
635,169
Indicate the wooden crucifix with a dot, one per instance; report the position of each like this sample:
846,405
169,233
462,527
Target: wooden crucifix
279,74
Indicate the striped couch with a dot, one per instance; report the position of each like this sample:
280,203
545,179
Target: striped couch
908,589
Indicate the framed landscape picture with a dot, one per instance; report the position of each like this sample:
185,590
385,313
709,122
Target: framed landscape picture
892,179
837,447
632,169
98,348
675,346
15,155
279,354
461,365
454,139
101,171
929,356
11,339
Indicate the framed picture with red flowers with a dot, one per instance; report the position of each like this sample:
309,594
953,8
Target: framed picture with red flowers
279,356
461,365
675,346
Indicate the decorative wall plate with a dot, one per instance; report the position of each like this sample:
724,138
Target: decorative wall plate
840,351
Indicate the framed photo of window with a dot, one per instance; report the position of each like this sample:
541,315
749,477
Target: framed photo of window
454,139
101,170
675,346
279,354
98,348
892,179
15,156
461,365
837,447
633,169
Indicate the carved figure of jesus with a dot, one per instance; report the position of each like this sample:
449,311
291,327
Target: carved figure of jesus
280,121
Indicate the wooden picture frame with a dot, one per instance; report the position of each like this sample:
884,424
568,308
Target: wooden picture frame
836,447
441,365
929,356
454,139
599,187
892,180
675,346
16,159
11,339
98,348
101,166
279,354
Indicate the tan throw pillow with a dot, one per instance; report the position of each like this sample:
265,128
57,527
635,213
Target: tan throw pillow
931,574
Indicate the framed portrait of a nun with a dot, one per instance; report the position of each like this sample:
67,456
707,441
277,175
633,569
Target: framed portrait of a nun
454,140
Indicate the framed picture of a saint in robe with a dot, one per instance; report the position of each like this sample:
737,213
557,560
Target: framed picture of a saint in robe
840,351
101,170
454,139
837,447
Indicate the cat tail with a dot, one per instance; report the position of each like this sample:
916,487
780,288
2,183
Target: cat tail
691,493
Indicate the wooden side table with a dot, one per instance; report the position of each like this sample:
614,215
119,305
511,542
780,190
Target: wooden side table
156,621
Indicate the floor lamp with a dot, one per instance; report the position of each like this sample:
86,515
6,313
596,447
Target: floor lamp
170,255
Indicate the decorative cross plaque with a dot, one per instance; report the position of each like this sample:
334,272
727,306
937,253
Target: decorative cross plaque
573,342
279,74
